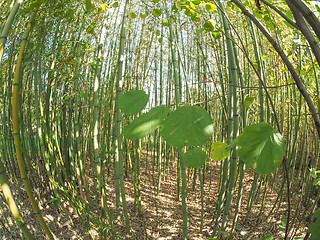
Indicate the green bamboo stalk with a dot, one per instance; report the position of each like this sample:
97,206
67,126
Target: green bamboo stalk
7,26
118,139
178,100
234,115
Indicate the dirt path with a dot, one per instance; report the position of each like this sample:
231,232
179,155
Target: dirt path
162,213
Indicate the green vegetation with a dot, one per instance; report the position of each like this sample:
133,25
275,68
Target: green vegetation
106,103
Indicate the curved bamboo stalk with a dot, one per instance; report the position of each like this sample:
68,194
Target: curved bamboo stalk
16,126
308,15
298,80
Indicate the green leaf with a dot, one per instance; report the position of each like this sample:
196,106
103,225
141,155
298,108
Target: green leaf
248,102
257,13
216,34
146,123
57,199
210,7
196,2
165,23
233,144
157,12
195,157
288,25
282,227
133,101
313,173
34,4
267,238
261,147
144,15
219,151
178,5
271,25
290,80
104,6
209,25
225,234
263,57
115,4
91,28
132,15
195,18
316,182
89,6
187,126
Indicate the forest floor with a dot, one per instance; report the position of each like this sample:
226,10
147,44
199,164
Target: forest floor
162,214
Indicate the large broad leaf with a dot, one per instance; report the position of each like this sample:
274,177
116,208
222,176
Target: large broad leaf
219,151
261,147
133,101
146,123
195,157
314,228
187,126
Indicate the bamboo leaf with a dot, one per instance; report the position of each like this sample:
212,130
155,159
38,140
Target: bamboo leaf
132,15
216,34
91,28
195,157
133,101
282,227
165,23
89,6
267,238
261,147
146,123
187,126
248,102
157,12
104,6
210,7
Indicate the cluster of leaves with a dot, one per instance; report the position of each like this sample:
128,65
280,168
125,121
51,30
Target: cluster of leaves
314,174
90,8
187,126
259,146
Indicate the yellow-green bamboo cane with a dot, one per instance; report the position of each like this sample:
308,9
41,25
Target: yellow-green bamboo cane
11,203
7,26
16,126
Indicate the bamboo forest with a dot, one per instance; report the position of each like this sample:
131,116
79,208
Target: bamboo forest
160,119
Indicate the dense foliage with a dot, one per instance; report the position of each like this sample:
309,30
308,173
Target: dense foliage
91,89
